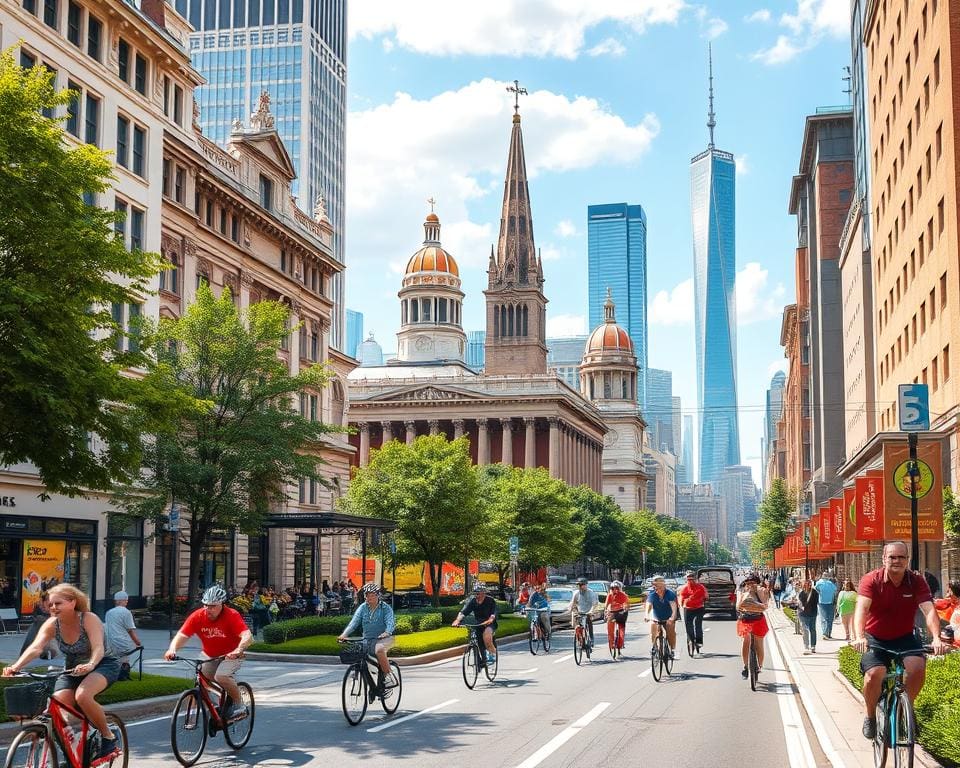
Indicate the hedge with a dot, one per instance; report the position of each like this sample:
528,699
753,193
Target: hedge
937,706
790,613
281,631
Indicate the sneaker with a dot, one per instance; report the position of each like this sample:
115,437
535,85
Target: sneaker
813,650
108,747
869,728
490,658
744,674
236,712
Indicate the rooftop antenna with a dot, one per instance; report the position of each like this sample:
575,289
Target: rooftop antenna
711,116
848,79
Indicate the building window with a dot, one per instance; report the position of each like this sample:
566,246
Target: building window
140,75
123,141
314,402
51,13
179,187
266,193
126,318
235,228
166,177
91,115
124,555
946,363
139,151
170,276
178,105
30,6
223,221
74,17
209,216
73,109
124,54
94,36
136,228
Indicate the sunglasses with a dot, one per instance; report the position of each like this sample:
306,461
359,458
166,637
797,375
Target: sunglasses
896,557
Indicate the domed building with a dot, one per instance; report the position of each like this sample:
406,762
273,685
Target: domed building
370,352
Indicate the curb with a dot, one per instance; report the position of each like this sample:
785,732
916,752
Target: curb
128,710
922,756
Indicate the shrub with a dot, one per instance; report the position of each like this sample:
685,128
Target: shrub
790,613
281,631
430,621
404,625
849,665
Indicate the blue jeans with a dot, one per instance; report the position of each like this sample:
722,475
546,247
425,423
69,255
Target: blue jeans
809,626
826,612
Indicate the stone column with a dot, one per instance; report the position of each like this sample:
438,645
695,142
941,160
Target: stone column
246,280
411,431
483,443
387,427
364,444
530,442
457,428
434,427
554,453
506,440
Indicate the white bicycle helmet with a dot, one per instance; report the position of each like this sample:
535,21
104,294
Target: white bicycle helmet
215,595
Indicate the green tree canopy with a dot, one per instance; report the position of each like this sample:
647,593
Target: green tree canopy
61,270
775,511
951,512
604,529
231,452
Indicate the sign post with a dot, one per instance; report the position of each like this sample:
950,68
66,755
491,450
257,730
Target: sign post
173,527
913,407
514,555
806,550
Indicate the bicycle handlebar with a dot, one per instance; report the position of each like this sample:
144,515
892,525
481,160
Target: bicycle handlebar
50,675
198,662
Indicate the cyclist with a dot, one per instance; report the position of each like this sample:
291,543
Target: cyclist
377,623
752,601
887,602
222,632
615,611
93,668
541,600
693,600
662,603
484,610
584,600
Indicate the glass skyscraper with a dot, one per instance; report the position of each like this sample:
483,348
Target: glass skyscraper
354,332
296,50
659,411
476,343
713,209
564,356
617,259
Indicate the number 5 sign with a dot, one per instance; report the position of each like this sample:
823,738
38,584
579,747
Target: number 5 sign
913,405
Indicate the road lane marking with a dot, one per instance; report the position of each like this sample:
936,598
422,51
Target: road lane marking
706,629
644,673
563,658
563,737
527,671
404,719
798,744
147,722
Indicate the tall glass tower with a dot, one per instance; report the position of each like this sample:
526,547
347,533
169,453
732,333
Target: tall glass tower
296,50
713,208
617,259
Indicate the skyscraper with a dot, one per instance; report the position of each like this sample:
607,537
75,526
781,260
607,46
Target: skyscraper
770,418
712,204
659,411
685,470
354,332
475,344
617,259
296,51
564,356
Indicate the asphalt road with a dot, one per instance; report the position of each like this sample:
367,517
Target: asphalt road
541,711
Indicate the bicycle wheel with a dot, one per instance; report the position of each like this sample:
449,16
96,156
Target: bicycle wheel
490,668
391,697
578,646
534,640
32,748
117,726
188,728
667,658
238,732
691,647
880,738
906,733
754,664
353,694
470,665
546,643
656,660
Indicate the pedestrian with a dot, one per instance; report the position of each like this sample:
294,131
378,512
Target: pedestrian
846,604
827,590
777,590
932,581
949,606
41,612
121,632
808,600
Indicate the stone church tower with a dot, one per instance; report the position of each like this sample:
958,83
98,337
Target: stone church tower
516,306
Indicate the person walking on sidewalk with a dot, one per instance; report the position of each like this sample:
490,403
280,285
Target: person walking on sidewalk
807,602
846,603
887,602
826,608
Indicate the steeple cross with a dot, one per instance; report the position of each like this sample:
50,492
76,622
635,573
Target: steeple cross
432,203
517,92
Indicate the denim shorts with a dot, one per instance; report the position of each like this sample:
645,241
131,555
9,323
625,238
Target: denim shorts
109,668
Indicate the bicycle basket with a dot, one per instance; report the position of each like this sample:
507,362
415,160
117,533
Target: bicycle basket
351,653
26,700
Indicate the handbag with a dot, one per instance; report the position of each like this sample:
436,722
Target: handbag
749,617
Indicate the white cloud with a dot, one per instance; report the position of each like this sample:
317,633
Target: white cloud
608,47
565,228
675,307
550,253
559,326
780,52
743,165
715,28
762,16
401,153
813,20
539,28
756,301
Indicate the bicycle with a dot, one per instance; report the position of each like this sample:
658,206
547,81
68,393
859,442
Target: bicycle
689,624
616,644
661,658
195,716
582,644
753,661
359,688
538,637
51,727
475,657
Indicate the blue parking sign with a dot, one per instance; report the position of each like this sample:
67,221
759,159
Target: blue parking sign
913,407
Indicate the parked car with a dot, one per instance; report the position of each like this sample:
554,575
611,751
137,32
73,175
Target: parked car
560,598
721,588
600,588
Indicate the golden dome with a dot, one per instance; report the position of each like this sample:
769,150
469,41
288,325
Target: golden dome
432,258
609,337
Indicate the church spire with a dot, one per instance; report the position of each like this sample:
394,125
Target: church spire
711,116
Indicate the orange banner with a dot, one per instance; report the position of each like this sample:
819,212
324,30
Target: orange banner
896,488
833,512
850,541
814,551
869,490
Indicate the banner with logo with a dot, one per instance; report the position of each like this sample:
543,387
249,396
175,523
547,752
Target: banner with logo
929,484
815,551
850,541
869,500
42,569
833,511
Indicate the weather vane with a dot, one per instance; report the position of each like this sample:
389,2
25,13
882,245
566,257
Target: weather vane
517,92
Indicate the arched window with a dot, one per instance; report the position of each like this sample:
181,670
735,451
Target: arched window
337,401
496,322
510,318
624,387
414,311
590,382
503,321
526,315
607,385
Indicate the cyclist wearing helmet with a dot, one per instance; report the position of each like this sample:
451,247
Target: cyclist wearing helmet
484,610
662,603
693,600
584,600
751,623
376,622
222,632
616,609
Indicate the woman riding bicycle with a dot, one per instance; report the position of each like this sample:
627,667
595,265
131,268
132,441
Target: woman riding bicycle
615,610
538,609
751,603
93,668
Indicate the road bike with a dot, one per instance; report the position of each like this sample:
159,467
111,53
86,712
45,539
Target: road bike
538,637
690,626
661,657
52,725
753,661
196,716
475,656
359,688
615,644
582,644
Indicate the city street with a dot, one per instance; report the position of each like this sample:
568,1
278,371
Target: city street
542,710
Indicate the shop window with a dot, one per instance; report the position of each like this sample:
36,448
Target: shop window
124,555
216,560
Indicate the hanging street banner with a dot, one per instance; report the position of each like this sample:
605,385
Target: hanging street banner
826,528
850,541
834,513
42,568
897,482
815,537
869,490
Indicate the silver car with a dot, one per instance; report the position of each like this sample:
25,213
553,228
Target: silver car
560,598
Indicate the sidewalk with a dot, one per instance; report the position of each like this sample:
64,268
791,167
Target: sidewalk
828,699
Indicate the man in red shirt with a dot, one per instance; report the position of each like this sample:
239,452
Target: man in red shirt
222,632
887,603
615,611
693,599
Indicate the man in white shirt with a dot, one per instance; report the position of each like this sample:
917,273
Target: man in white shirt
121,632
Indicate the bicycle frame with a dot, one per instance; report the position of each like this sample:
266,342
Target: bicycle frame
203,687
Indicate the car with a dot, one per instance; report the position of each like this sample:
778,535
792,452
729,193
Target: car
721,588
560,598
600,588
672,584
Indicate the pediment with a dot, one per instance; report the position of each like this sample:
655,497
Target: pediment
271,148
426,394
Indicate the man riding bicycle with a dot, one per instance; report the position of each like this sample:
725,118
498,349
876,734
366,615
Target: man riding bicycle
662,603
584,600
377,623
887,602
538,609
484,610
222,632
752,601
615,611
693,600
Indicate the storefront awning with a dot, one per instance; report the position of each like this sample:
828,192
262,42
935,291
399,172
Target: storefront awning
331,522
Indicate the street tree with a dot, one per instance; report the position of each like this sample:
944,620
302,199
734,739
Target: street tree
774,513
951,512
236,446
62,356
430,490
643,541
604,529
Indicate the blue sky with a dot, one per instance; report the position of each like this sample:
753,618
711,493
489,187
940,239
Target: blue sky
617,107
